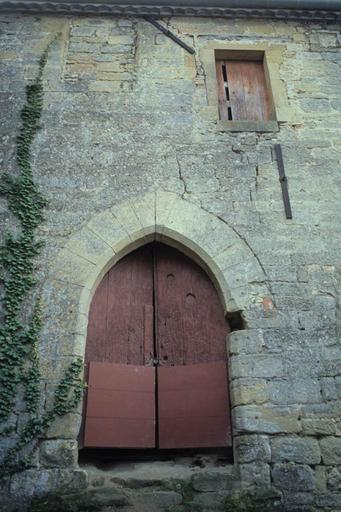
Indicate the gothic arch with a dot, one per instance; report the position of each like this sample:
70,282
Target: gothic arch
166,217
110,235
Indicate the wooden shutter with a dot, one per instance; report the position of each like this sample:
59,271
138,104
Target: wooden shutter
120,409
242,91
193,406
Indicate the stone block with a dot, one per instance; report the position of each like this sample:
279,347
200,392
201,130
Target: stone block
210,501
158,499
293,477
72,268
334,479
248,391
88,245
252,448
295,449
42,482
109,229
331,450
106,497
294,391
144,209
314,105
245,342
329,501
256,474
255,365
65,427
266,419
321,479
63,300
328,388
318,426
128,220
298,501
212,482
59,453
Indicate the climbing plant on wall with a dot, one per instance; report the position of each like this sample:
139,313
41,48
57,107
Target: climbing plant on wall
19,338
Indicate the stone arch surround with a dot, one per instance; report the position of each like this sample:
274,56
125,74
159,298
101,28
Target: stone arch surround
111,234
166,217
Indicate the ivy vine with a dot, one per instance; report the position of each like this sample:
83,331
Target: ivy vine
19,339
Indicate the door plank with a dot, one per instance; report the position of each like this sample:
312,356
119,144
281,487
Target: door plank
119,327
223,103
190,323
193,406
120,408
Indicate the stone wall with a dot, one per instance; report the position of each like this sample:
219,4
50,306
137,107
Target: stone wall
128,116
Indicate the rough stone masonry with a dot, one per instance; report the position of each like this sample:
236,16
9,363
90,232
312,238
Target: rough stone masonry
130,116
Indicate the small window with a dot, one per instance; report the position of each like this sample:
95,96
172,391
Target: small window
243,92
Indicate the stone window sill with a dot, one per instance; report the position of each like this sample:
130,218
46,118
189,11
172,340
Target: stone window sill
247,126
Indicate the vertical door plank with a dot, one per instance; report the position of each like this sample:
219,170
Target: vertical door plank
120,406
119,328
148,335
250,100
223,104
193,406
190,323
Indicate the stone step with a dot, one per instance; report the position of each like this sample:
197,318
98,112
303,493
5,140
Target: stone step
160,486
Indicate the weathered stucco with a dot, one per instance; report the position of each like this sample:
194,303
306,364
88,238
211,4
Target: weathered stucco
131,149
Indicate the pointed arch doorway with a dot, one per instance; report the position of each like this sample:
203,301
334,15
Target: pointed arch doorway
156,356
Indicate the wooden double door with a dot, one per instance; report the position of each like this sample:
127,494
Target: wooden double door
156,356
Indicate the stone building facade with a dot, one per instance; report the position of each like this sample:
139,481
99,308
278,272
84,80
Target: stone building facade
130,150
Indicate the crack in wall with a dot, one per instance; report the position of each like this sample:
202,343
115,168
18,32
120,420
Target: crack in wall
181,178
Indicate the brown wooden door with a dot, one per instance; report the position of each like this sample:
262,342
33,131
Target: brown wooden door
156,308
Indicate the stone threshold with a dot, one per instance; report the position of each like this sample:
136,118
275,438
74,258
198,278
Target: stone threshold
157,486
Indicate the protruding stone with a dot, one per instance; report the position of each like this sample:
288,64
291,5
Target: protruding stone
294,477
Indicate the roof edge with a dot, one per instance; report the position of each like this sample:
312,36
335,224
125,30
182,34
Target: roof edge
280,9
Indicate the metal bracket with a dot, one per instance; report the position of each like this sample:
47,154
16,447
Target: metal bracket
170,34
283,181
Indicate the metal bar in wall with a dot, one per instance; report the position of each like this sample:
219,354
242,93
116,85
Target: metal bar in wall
283,180
170,34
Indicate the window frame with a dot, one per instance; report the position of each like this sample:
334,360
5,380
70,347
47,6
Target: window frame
272,57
